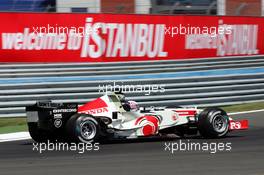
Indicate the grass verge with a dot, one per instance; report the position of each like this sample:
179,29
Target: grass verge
9,125
244,107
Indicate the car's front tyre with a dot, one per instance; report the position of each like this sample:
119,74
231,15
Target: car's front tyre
213,123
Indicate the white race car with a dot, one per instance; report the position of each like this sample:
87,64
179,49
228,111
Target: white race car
113,117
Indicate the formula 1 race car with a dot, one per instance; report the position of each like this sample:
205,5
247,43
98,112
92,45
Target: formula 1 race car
113,117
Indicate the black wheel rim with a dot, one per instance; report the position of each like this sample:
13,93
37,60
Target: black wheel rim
88,130
220,123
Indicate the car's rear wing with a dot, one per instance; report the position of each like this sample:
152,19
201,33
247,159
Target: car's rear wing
49,115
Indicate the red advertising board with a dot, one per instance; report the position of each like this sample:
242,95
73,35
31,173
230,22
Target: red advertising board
40,37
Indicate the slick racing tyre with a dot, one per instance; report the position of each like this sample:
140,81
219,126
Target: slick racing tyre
37,134
83,128
213,123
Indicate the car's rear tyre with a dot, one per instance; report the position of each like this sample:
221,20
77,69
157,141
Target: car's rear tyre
37,134
213,123
83,128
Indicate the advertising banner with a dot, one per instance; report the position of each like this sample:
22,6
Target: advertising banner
43,37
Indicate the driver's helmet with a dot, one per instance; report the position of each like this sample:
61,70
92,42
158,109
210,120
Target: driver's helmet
133,106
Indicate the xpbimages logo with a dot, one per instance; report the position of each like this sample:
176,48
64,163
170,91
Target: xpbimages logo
60,146
147,89
183,146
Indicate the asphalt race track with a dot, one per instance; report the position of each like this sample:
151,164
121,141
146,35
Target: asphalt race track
144,157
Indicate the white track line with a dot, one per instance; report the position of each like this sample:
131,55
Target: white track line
14,136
